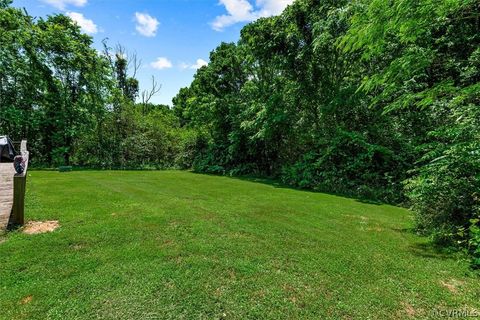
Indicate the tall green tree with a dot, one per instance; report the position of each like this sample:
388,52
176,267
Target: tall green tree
427,55
52,83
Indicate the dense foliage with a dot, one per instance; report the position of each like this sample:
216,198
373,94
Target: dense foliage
376,99
74,104
370,98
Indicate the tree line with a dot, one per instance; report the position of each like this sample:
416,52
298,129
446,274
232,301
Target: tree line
372,99
75,104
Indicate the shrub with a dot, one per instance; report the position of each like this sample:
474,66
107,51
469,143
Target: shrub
348,164
445,192
474,243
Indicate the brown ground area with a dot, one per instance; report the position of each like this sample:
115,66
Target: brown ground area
36,227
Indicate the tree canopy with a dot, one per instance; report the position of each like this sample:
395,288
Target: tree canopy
374,99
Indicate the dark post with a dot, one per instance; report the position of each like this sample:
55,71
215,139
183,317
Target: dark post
19,188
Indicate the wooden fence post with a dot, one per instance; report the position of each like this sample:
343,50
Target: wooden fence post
19,188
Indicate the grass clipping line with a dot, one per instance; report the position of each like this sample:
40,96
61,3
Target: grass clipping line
37,227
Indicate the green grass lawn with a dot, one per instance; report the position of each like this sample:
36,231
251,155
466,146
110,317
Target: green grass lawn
155,245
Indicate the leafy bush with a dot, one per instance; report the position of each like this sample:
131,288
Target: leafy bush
445,191
192,145
474,242
348,164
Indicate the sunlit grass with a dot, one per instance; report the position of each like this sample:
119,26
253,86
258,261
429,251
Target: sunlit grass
149,245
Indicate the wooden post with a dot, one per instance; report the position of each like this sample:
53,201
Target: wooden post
18,212
19,188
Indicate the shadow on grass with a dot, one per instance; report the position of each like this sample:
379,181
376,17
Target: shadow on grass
267,181
12,227
280,185
431,250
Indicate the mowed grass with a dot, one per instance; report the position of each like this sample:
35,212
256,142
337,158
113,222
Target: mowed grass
179,245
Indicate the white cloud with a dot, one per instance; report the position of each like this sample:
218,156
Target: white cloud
272,7
200,63
87,25
62,4
161,63
146,24
197,65
238,11
244,11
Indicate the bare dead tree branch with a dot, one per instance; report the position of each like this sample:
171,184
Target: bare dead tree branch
120,51
148,94
134,64
108,55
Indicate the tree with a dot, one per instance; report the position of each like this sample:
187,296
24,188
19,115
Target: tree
427,64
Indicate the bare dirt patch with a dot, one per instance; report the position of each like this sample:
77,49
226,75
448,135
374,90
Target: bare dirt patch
452,285
409,310
78,246
36,227
26,300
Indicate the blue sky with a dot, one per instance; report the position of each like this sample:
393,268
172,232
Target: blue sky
171,37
